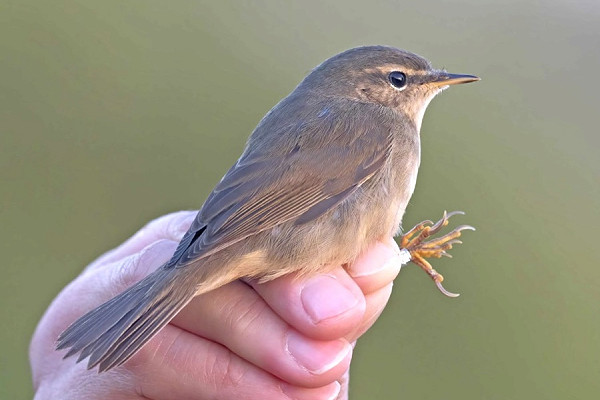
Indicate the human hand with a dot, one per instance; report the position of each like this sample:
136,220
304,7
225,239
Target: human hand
290,338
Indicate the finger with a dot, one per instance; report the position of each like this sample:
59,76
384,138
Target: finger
332,305
344,382
377,267
376,303
94,287
325,306
182,365
237,317
171,227
89,290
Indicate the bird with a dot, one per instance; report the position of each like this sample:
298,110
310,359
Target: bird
325,174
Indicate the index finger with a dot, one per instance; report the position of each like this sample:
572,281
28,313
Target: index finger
171,227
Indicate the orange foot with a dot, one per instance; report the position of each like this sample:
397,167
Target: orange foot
414,242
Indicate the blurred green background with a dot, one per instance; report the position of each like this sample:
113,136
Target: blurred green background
108,110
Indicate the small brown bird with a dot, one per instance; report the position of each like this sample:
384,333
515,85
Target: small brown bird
325,174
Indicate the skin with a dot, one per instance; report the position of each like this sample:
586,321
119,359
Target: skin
228,343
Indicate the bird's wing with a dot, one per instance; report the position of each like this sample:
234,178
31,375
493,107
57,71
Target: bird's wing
261,192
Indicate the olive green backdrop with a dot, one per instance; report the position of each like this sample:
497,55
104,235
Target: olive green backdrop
115,112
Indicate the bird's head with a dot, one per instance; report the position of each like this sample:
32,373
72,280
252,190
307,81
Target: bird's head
383,75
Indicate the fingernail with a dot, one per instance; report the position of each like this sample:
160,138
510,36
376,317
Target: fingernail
335,390
328,392
317,357
325,297
380,258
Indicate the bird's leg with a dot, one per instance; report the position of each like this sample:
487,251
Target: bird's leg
414,242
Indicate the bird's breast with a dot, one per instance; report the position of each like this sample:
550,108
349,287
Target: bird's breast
403,170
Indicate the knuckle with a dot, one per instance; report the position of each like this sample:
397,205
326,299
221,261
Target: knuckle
135,267
244,314
223,371
171,226
178,223
126,273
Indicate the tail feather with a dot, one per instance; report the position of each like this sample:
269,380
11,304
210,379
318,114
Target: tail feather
116,330
127,348
106,336
88,328
106,343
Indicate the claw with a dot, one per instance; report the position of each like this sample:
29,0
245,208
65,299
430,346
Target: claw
440,224
417,228
464,227
444,221
414,242
444,291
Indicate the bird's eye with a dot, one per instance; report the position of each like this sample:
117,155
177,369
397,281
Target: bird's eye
397,79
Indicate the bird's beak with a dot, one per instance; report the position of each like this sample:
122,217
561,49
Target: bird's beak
445,79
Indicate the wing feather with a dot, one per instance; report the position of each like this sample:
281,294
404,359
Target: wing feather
259,193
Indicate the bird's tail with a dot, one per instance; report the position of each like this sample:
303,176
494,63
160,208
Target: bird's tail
113,332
